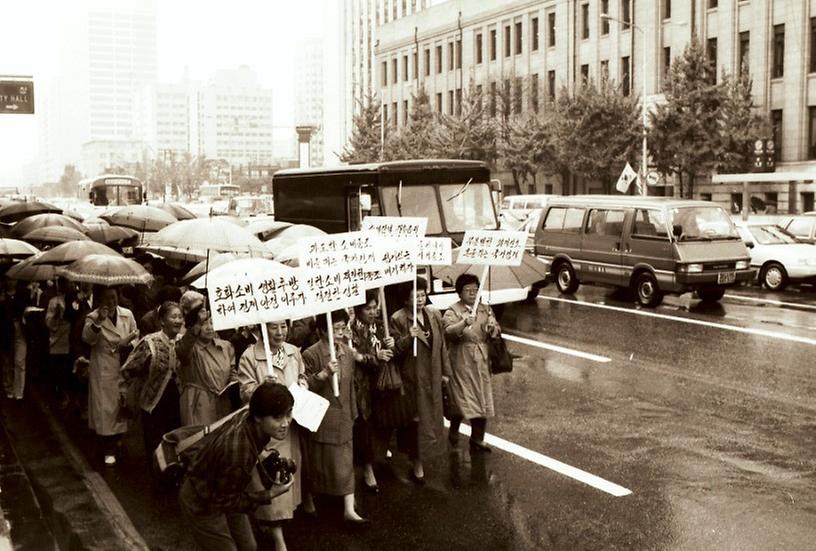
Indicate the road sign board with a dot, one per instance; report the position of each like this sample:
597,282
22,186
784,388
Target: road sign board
17,97
652,178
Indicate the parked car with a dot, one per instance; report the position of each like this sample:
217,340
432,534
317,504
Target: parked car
802,227
652,245
521,212
777,255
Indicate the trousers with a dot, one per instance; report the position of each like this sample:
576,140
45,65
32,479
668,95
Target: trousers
216,532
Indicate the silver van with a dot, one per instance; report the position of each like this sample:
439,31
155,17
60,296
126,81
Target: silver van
652,245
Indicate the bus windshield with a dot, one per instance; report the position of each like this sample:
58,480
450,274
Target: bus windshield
467,207
413,201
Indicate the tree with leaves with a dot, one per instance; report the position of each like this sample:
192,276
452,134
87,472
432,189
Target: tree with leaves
740,125
685,133
364,144
69,181
420,137
471,134
597,131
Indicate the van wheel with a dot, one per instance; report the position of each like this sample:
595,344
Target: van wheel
565,279
774,276
711,294
647,290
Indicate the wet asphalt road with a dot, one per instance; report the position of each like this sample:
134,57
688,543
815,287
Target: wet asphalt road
711,428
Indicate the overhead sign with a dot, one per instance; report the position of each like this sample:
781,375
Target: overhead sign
17,97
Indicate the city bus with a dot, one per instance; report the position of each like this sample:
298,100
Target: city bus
454,196
109,190
209,193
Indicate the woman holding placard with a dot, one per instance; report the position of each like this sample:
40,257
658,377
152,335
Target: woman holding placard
468,326
329,453
287,368
426,372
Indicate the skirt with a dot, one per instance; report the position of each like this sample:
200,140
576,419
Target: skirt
330,468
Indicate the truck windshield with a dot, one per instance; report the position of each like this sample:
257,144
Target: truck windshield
702,224
467,207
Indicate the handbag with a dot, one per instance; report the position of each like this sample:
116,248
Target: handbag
389,377
499,358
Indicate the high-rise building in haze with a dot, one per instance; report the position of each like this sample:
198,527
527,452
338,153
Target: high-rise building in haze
309,93
107,49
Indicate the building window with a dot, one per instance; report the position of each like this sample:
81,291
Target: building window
427,62
811,133
626,13
507,41
451,56
584,21
625,82
458,54
666,9
385,73
458,102
404,112
416,65
807,201
551,85
534,93
711,55
493,94
604,20
551,29
385,112
519,36
712,4
404,68
492,44
439,102
778,70
604,70
479,95
584,75
394,73
518,95
438,59
666,64
450,102
744,50
534,34
736,203
479,48
812,67
394,110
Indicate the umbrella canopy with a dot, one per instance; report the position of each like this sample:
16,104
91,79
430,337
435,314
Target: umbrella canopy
107,270
14,248
94,221
111,234
287,237
266,228
37,221
201,268
195,240
140,218
54,234
73,214
240,267
73,251
531,271
177,211
17,211
28,271
289,256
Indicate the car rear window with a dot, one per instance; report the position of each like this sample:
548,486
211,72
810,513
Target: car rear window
800,227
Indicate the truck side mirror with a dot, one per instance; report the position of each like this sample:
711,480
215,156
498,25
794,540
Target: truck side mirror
677,230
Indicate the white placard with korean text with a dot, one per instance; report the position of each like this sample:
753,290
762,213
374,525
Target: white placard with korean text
434,251
326,290
497,248
396,227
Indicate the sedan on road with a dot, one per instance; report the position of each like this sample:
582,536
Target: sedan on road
777,255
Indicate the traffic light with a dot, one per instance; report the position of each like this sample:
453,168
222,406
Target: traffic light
764,153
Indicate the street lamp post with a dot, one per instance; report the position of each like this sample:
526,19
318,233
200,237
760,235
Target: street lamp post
644,151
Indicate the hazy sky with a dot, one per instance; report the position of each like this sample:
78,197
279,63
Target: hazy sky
199,35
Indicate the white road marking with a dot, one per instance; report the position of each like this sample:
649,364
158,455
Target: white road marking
735,328
556,348
771,301
550,463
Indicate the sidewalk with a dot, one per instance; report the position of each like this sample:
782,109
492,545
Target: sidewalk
68,498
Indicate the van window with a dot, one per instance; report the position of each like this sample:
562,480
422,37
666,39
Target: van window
555,219
650,223
573,220
605,222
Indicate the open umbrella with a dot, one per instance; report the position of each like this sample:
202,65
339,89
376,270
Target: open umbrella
73,214
266,228
196,240
111,234
141,218
179,212
289,256
287,237
54,234
11,249
201,268
28,271
44,220
107,270
73,251
241,266
17,211
94,221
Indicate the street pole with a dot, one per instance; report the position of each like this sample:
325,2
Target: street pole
643,167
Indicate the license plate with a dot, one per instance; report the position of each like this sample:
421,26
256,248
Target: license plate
726,277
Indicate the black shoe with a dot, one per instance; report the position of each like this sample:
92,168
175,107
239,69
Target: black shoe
478,446
371,488
356,522
418,480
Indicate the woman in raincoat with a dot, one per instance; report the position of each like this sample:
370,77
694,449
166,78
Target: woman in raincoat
110,331
286,368
467,328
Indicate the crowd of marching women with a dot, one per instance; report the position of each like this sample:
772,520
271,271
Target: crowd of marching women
134,357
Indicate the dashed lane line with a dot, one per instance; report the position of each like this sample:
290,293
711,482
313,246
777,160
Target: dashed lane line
550,463
556,348
692,321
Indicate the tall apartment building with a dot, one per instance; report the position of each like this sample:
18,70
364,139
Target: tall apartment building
556,43
107,49
309,94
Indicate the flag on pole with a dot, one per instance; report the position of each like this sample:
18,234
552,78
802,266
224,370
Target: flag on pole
626,178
